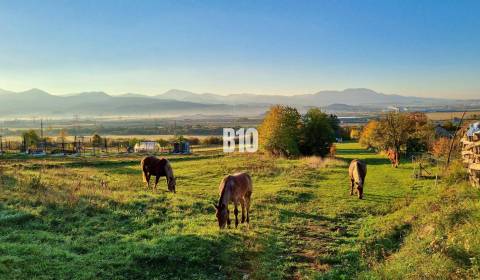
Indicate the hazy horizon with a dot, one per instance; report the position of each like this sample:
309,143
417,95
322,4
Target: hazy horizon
249,93
409,48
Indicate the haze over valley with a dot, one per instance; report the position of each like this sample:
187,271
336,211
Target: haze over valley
184,103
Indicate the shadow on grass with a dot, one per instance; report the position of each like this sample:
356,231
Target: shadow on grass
286,215
377,248
354,152
184,257
370,161
288,196
12,218
379,198
98,238
7,181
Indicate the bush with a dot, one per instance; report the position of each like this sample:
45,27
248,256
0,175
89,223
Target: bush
213,140
440,147
456,172
193,140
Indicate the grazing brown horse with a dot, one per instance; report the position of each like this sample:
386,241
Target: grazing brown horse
236,188
393,156
357,172
158,168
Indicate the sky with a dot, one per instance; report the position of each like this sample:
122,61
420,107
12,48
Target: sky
421,48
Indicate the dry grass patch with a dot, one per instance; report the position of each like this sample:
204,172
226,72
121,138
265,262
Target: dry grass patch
316,162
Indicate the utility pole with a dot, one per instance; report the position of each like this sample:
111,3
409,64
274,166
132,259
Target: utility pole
1,138
42,140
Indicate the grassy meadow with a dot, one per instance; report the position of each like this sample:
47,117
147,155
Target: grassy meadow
94,218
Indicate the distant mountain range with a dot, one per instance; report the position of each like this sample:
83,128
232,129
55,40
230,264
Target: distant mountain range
179,102
352,97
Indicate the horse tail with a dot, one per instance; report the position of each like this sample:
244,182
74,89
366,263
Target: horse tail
144,172
249,179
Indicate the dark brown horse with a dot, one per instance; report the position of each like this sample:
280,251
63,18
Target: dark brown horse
236,188
357,172
393,156
152,166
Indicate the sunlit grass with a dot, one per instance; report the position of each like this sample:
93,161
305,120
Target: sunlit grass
58,220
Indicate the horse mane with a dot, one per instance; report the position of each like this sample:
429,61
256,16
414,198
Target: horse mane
223,186
360,168
168,168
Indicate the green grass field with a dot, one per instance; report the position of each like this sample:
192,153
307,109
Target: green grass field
57,221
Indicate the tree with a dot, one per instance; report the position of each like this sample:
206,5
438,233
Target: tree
163,142
280,131
354,133
317,133
412,131
31,138
62,135
368,136
394,129
97,141
335,124
422,135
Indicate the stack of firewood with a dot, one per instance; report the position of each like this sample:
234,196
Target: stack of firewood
471,153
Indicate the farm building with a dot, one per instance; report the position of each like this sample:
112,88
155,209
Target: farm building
146,147
471,153
181,148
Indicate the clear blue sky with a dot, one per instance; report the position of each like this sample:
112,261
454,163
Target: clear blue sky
423,48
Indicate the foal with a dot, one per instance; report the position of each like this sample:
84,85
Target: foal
236,188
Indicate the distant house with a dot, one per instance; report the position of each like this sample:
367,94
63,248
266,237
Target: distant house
146,147
181,148
442,132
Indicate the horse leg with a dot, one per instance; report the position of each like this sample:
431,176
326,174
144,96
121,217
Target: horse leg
352,184
249,194
235,211
147,178
360,191
228,219
156,181
242,202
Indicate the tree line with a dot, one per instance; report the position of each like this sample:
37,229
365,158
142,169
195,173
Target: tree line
284,131
410,134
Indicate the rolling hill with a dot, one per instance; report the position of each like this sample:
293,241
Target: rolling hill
179,102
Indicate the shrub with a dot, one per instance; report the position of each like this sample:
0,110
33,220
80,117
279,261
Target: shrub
316,162
193,140
213,140
456,172
440,147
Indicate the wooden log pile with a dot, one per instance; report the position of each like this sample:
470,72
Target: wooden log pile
471,153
